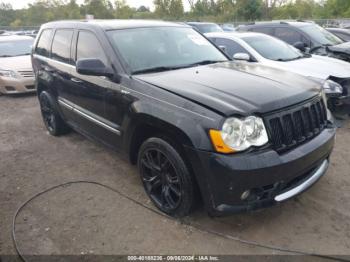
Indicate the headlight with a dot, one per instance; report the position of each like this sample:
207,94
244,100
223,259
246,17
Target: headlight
8,73
239,134
332,88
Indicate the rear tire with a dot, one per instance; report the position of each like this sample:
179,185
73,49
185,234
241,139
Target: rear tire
52,120
166,178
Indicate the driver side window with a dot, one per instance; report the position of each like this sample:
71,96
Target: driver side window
88,46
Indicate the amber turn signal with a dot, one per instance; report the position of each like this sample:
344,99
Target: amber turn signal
218,142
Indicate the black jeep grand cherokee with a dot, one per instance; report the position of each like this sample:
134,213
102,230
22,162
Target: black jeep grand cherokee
197,125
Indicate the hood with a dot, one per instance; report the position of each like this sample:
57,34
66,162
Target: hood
341,48
16,63
233,88
316,66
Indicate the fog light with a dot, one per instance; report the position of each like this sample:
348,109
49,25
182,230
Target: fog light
245,195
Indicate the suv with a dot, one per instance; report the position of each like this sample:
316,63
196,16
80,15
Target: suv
306,36
197,125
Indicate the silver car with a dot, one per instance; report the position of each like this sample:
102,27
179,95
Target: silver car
259,48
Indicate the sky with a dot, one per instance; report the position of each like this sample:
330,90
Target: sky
18,4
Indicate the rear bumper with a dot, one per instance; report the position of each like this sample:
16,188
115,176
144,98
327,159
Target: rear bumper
17,86
269,177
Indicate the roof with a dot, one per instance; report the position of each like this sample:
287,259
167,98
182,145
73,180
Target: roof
282,22
7,38
343,30
112,24
200,23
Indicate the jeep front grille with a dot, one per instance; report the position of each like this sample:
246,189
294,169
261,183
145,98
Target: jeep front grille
297,125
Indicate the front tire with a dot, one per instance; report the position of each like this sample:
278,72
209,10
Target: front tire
52,120
166,178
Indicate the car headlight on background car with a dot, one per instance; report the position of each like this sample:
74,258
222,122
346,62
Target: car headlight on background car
239,134
8,73
332,88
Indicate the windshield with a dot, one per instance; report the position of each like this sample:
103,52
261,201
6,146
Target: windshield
16,48
273,49
163,47
321,35
208,28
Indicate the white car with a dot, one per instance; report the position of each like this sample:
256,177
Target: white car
267,50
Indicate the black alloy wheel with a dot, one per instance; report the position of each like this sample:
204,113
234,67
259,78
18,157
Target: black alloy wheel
52,120
165,177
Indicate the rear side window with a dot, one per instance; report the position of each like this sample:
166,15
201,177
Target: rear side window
42,47
61,45
88,46
288,35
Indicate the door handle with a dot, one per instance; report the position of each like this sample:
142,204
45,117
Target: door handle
76,80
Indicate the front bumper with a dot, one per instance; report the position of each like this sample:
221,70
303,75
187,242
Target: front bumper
17,85
268,176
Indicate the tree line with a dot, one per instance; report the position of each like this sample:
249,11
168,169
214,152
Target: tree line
220,11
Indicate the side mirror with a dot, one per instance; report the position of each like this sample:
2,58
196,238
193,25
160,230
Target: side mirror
93,67
241,56
301,46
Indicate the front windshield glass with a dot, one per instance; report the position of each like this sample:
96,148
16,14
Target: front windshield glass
208,28
16,48
272,48
163,47
321,35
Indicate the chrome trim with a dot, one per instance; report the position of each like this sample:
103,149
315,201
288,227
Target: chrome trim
306,184
65,104
87,115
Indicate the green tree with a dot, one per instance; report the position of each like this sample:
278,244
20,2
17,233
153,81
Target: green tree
249,10
170,9
102,9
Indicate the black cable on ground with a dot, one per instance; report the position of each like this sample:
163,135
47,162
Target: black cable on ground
193,225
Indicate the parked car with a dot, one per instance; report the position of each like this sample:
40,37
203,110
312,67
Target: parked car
196,124
306,36
204,27
16,73
259,48
228,27
342,33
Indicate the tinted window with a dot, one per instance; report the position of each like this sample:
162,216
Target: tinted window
89,47
44,42
321,35
163,47
61,45
342,36
231,47
288,35
264,30
15,48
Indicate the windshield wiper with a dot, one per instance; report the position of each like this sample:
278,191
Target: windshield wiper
169,68
289,59
23,54
155,69
205,62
